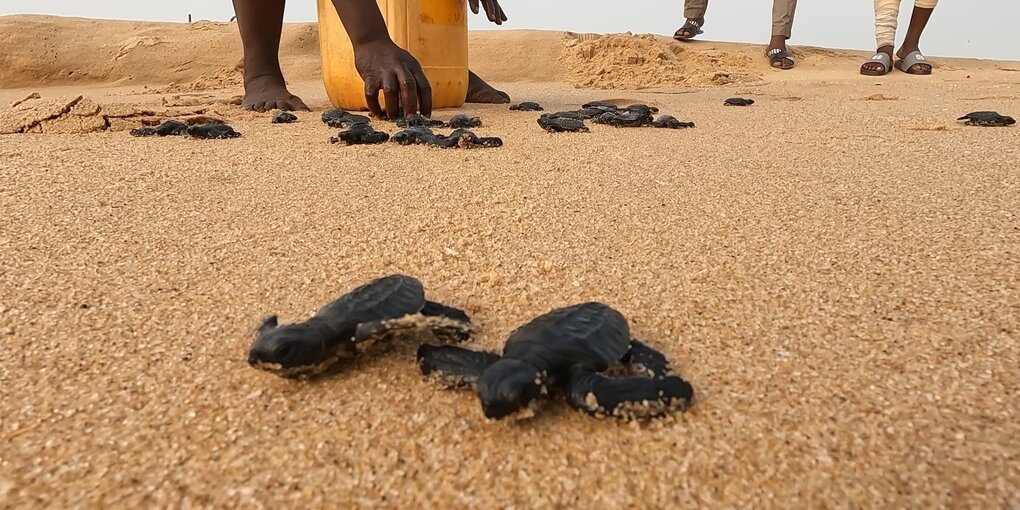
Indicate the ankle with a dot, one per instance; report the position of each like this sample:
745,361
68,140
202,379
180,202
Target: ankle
907,49
777,42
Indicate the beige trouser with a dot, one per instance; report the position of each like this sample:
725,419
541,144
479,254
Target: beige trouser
782,14
886,12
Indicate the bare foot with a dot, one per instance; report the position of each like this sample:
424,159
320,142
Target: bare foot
481,92
268,92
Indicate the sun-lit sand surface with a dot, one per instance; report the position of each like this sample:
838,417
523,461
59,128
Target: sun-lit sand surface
835,269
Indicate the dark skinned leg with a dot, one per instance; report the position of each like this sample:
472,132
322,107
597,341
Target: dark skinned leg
918,21
481,92
261,23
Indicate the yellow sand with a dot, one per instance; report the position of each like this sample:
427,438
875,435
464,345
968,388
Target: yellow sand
836,270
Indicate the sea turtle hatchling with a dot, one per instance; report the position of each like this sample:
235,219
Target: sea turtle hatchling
340,119
284,117
987,119
375,311
527,106
166,128
671,122
565,349
460,138
462,121
554,124
213,130
738,101
360,134
418,121
625,118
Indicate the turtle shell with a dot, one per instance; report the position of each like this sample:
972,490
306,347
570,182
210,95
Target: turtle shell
388,297
591,334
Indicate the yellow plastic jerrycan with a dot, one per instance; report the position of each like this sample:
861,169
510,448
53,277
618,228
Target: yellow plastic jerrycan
434,31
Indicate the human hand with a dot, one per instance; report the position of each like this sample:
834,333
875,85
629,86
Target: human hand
492,10
385,66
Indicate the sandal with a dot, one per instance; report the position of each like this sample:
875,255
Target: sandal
781,56
692,27
914,58
880,58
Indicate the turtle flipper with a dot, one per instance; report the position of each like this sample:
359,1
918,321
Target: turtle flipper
433,309
643,361
444,328
453,367
633,398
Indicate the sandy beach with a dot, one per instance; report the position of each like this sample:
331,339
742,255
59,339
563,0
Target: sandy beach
835,269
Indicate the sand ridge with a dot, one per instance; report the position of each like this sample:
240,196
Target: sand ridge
845,306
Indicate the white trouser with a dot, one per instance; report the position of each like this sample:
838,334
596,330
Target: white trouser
886,12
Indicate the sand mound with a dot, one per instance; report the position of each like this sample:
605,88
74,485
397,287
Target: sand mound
626,61
80,114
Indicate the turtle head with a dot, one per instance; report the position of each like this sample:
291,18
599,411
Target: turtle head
508,386
291,350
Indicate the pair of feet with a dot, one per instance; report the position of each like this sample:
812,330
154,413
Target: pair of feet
911,61
777,53
267,92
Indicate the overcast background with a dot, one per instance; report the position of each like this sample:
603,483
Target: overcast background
959,28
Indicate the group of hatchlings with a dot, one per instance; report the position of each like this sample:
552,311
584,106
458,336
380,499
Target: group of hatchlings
584,353
418,130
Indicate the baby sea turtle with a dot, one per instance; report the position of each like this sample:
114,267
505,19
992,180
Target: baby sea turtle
360,134
590,113
625,118
564,349
375,311
418,121
340,119
213,130
566,115
738,101
463,122
600,105
527,106
462,138
988,119
284,117
642,108
554,124
167,128
671,122
468,140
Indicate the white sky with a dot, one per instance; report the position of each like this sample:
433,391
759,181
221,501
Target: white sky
964,28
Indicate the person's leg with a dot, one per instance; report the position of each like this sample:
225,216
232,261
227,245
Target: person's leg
886,12
261,23
911,42
481,92
694,11
783,12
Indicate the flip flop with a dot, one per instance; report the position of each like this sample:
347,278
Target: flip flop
879,58
782,56
691,27
914,58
